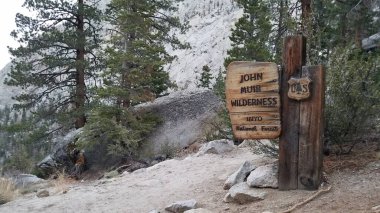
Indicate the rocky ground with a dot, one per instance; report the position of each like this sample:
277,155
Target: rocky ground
355,182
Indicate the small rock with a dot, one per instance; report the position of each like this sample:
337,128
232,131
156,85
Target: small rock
264,176
216,147
199,210
154,211
240,175
376,208
181,206
242,193
43,193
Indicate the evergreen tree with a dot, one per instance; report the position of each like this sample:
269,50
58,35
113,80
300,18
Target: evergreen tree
57,55
251,36
219,86
205,78
335,34
136,53
135,58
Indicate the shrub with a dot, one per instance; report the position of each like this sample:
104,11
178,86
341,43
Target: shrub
121,130
352,97
20,161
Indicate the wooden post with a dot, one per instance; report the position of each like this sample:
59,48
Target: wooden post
293,58
311,131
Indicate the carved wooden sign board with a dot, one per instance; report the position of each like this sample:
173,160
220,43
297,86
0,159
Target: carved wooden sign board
253,100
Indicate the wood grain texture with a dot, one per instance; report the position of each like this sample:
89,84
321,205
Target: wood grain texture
311,131
252,90
294,56
256,131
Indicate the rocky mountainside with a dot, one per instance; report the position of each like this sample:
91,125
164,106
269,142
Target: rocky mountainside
210,23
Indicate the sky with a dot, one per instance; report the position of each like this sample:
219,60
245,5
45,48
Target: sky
8,12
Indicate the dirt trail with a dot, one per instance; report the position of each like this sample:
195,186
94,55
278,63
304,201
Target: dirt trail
202,178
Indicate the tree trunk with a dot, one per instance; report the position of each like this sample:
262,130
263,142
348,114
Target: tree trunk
80,93
306,11
280,31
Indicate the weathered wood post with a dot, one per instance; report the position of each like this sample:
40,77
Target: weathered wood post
311,130
294,57
302,100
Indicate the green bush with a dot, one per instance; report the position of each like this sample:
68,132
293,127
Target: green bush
121,130
352,97
20,160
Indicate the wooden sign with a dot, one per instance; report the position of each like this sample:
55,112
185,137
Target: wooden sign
299,88
253,100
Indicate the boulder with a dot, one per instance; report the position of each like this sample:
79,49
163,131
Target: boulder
60,158
241,193
216,147
264,176
26,180
240,175
182,206
184,115
30,183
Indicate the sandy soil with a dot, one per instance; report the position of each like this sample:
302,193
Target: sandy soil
202,178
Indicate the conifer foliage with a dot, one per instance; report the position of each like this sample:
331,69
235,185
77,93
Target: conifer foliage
135,56
250,38
136,52
56,56
205,77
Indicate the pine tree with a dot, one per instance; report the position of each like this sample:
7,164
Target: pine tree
205,78
136,53
57,55
352,73
251,36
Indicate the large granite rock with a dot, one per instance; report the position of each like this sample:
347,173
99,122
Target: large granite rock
60,158
184,117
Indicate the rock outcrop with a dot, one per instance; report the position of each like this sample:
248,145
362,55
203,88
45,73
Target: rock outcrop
184,117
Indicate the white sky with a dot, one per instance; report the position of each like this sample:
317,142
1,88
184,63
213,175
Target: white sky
8,12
